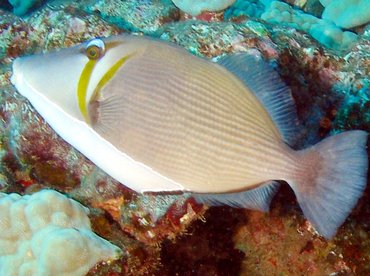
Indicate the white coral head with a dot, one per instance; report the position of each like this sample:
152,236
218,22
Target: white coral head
47,233
196,7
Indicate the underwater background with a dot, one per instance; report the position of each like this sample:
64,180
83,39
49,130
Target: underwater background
321,49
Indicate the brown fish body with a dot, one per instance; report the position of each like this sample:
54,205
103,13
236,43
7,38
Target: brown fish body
193,122
159,119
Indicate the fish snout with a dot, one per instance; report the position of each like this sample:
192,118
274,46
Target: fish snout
17,76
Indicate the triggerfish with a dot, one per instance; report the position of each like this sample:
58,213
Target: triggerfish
159,119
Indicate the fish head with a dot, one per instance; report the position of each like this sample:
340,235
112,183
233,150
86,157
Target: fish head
70,77
60,86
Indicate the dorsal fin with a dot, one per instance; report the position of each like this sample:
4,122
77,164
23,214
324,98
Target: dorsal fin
266,84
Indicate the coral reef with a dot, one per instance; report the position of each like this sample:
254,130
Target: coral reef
347,13
252,8
324,31
22,7
329,25
48,234
331,90
135,15
197,7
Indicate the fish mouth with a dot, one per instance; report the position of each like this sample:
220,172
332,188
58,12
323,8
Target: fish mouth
17,76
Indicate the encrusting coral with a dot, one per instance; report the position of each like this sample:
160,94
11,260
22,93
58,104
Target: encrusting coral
48,234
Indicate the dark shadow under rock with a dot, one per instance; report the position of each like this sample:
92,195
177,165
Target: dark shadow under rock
207,248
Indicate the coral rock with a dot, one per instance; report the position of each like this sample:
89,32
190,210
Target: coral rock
347,13
197,7
48,234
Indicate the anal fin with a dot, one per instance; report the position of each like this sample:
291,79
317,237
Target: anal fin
255,199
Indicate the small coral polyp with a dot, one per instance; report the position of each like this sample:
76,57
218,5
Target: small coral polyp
48,234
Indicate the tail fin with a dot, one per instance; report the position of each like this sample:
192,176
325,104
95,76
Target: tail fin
333,178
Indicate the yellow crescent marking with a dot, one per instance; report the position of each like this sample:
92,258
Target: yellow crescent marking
111,72
82,87
84,82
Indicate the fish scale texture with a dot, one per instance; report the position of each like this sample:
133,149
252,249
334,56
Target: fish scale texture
199,127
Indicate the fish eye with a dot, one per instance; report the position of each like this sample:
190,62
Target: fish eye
95,49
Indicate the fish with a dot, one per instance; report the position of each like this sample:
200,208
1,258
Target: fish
159,119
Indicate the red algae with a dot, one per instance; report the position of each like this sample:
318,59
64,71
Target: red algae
284,243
